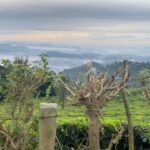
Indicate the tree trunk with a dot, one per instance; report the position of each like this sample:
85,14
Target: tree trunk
94,130
130,127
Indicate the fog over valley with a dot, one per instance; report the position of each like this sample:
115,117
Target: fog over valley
63,56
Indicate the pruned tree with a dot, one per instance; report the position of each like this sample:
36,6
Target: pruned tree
94,94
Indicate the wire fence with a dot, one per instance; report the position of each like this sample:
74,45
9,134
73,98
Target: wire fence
107,115
84,115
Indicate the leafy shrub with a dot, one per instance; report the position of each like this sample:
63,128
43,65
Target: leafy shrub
74,136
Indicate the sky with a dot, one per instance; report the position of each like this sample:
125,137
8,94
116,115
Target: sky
114,24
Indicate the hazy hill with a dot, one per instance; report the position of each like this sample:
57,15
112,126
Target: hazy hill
62,56
134,67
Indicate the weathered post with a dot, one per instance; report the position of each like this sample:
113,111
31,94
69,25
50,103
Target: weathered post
47,126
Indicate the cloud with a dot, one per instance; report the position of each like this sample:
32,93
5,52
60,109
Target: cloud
83,39
46,36
70,15
96,23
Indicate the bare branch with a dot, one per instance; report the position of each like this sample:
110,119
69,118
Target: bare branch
66,86
115,139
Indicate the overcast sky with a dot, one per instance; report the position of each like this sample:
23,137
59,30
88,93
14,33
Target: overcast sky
103,23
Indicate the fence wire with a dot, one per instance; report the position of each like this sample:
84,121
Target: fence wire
84,115
107,115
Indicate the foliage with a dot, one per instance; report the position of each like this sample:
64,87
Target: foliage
144,77
21,82
75,137
20,85
72,123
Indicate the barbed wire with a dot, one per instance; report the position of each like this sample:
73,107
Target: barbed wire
105,115
83,115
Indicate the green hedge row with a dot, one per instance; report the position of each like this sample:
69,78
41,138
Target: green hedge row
76,137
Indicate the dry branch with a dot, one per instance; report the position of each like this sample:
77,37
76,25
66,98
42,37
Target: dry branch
115,139
9,140
147,93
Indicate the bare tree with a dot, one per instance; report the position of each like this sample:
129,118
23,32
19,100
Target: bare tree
94,94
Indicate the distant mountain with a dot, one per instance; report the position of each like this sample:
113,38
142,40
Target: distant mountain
99,57
86,55
17,49
6,47
62,57
110,68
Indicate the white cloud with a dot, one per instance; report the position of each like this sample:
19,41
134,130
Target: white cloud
96,23
70,14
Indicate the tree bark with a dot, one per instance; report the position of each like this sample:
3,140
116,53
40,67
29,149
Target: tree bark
94,130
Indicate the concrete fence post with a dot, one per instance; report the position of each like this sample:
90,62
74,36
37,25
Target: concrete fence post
47,126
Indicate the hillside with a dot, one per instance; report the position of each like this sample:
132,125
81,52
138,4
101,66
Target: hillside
134,68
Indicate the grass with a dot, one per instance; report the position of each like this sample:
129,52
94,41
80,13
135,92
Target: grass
113,113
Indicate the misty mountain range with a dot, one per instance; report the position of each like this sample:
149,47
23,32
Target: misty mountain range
64,57
134,69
